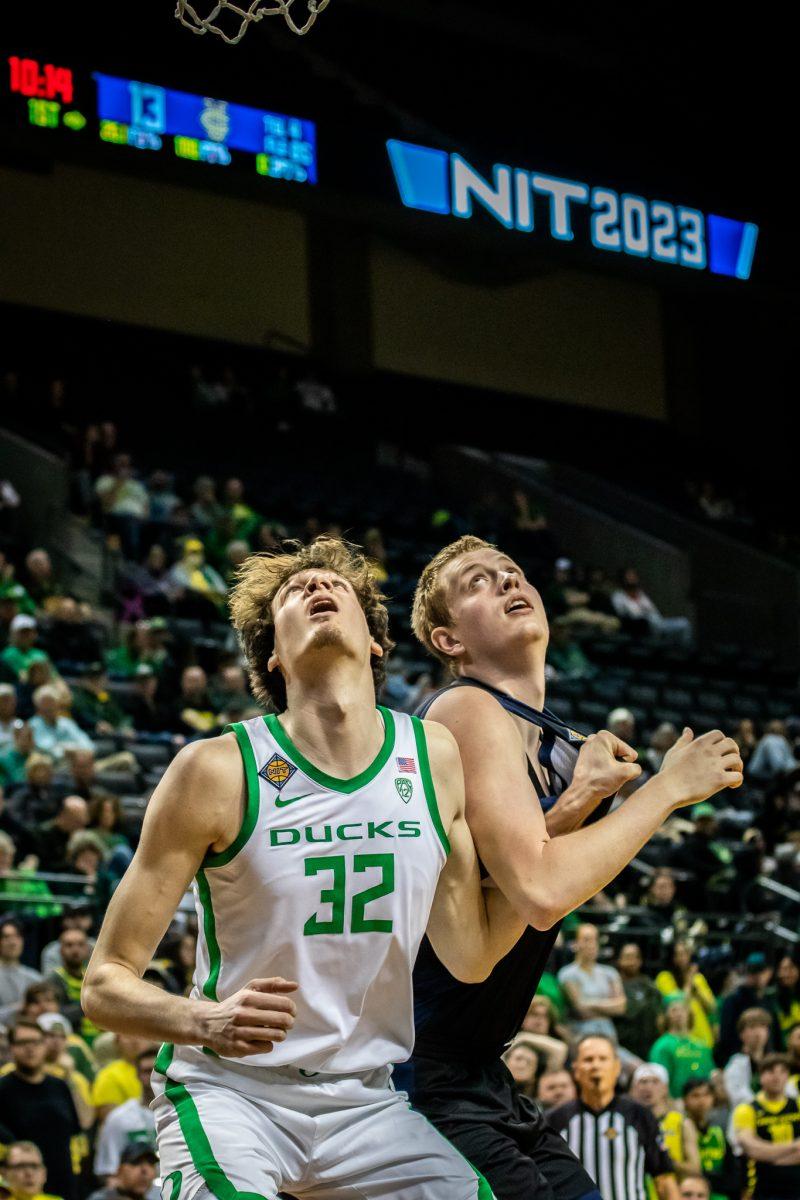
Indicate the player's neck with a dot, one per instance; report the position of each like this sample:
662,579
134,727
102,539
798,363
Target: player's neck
333,722
522,678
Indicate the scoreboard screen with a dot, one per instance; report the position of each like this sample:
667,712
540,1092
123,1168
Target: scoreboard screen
148,117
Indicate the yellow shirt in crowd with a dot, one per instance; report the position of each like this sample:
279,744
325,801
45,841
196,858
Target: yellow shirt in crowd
115,1084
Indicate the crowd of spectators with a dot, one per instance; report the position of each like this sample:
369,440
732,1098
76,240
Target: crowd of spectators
98,690
714,1064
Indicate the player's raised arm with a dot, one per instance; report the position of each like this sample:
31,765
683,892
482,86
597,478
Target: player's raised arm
197,806
546,878
470,928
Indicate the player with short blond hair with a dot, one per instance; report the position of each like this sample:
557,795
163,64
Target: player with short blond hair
531,784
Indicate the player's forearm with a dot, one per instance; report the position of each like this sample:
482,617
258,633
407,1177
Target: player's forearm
115,998
570,870
574,805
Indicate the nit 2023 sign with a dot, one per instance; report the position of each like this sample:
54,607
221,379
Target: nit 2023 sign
435,181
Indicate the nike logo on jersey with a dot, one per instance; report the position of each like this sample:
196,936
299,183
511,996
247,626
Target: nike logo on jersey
279,803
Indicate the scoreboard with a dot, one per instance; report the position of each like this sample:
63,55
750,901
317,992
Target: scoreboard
159,120
119,116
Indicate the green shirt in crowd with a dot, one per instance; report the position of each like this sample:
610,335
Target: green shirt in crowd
684,1058
551,988
19,661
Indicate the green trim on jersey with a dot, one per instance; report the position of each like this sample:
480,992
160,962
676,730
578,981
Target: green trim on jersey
251,805
199,1146
177,1182
330,781
427,782
164,1058
209,988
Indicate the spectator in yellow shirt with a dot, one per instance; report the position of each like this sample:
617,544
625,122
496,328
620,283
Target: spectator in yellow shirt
767,1130
25,1172
682,975
119,1081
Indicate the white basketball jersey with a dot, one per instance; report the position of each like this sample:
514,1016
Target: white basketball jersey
330,883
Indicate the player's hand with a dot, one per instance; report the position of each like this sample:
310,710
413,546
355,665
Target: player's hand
700,767
605,764
250,1021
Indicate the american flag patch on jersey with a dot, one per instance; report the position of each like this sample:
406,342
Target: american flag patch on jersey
408,765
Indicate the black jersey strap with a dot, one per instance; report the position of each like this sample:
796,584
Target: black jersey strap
558,765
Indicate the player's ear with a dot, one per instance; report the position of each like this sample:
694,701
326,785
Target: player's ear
444,641
375,650
273,663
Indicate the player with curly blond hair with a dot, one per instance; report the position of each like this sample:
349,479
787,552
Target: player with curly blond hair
321,841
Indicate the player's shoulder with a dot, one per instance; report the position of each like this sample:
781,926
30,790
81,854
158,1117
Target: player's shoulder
470,708
207,761
443,753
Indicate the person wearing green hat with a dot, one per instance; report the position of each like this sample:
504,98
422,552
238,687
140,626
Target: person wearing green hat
683,1056
707,860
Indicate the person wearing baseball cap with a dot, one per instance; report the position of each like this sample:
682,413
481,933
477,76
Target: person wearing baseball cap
751,993
707,860
650,1088
22,650
135,1176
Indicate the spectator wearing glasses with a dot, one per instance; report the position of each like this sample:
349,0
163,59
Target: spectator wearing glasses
25,1172
36,1105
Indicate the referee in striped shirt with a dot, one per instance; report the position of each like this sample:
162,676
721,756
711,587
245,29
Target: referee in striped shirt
617,1140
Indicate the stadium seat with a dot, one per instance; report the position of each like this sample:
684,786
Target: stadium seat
151,754
643,694
677,698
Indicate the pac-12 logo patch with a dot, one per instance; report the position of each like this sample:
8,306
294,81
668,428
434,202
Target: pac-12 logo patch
405,789
277,771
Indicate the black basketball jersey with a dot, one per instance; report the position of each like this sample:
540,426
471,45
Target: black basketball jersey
472,1022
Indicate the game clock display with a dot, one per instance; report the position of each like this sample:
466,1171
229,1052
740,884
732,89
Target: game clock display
47,82
148,117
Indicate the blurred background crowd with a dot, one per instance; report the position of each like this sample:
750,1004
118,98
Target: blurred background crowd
688,962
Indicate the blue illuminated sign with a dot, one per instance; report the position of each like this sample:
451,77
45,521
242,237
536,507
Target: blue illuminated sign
437,182
206,130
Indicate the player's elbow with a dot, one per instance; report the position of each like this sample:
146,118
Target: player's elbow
540,912
94,991
90,995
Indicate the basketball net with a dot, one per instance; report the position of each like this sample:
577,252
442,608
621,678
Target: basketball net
188,16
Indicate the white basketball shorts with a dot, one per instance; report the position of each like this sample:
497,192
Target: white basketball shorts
252,1135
